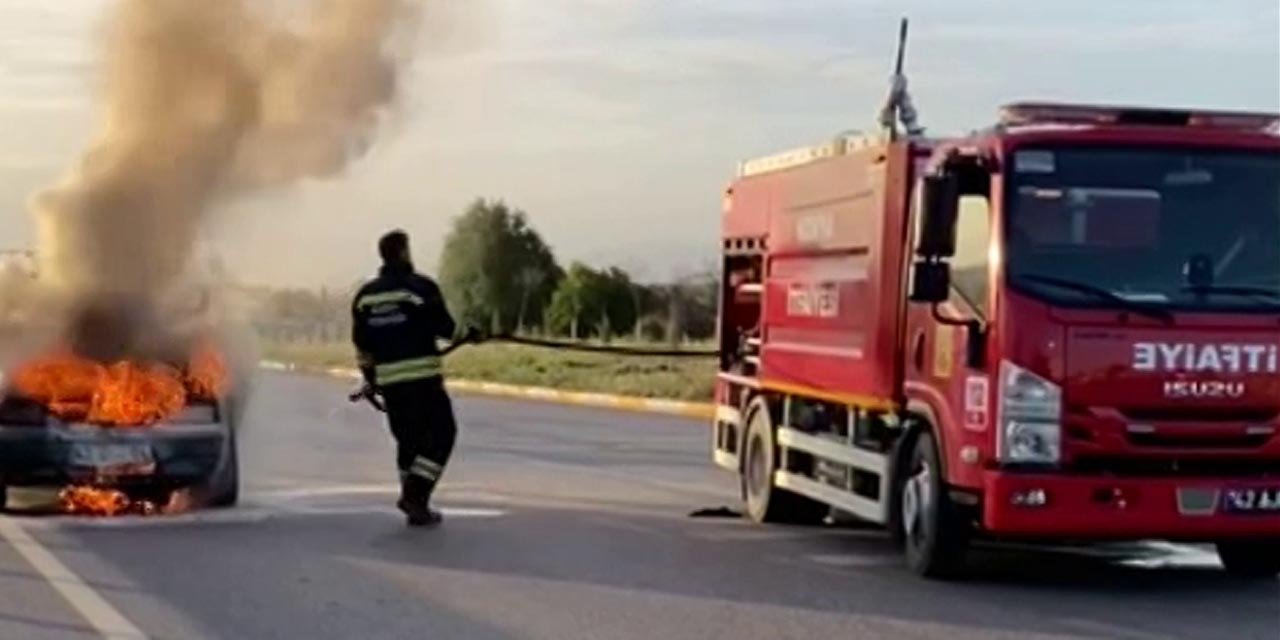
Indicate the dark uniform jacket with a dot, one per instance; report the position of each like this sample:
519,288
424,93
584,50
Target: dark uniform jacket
396,320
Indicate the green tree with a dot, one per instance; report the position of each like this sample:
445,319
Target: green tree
495,270
683,310
592,302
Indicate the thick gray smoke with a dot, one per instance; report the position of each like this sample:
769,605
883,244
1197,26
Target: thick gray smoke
203,101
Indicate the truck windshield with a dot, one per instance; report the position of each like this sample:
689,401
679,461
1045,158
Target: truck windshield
1164,228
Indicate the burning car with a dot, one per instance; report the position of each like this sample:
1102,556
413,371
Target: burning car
123,436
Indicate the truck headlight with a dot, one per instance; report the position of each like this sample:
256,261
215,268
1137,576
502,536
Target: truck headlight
1030,417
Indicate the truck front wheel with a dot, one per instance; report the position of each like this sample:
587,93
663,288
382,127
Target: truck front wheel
933,535
765,501
1251,559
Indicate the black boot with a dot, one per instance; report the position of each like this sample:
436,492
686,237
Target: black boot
415,503
419,515
429,519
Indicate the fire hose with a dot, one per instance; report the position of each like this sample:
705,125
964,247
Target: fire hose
369,393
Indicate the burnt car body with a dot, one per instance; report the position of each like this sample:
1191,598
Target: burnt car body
194,450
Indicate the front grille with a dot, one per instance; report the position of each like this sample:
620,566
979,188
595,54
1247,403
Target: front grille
1201,414
1219,441
1176,467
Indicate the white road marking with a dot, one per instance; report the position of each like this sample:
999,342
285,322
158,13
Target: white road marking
250,513
326,491
104,618
851,560
1176,555
247,515
448,512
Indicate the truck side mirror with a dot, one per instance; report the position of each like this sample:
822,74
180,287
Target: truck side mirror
939,212
931,282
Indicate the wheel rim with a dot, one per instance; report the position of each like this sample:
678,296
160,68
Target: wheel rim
757,475
917,500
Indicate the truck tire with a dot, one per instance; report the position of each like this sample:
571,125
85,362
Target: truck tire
1250,559
765,502
222,489
933,535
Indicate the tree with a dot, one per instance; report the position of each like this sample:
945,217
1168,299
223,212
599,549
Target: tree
685,309
641,298
592,302
530,281
495,270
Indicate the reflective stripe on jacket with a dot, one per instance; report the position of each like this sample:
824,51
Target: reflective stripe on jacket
396,320
388,297
407,370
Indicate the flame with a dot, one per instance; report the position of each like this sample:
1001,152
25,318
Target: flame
121,394
84,500
137,394
207,377
180,501
93,501
63,383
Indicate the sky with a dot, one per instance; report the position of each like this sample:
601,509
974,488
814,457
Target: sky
616,124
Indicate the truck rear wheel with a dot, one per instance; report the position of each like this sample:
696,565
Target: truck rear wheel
933,535
765,501
1251,559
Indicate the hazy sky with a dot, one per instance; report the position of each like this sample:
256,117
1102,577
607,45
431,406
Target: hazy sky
616,123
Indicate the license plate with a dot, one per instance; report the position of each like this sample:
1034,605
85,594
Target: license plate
1253,500
116,459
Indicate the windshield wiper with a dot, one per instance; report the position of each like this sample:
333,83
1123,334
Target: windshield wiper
1097,292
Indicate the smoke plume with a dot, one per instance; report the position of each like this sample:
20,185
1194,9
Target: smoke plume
204,101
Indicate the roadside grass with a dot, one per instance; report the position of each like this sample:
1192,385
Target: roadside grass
690,379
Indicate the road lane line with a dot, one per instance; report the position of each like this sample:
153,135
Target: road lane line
248,515
325,491
104,618
448,512
1176,555
853,560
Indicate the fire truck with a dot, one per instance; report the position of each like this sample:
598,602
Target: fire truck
1062,328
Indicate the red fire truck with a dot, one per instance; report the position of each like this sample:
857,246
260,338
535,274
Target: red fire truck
1062,328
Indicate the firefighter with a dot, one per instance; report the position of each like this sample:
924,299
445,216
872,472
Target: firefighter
397,319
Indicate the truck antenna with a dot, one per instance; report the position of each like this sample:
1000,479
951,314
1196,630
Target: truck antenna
902,48
899,107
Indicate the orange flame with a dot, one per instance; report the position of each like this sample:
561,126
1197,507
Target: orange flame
83,500
92,501
125,393
134,394
207,377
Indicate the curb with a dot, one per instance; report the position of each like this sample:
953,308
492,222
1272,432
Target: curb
699,410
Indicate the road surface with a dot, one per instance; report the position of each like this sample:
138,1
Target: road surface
563,523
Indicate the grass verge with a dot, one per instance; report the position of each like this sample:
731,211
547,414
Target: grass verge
690,379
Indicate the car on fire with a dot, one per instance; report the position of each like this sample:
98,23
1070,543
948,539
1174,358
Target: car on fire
55,439
196,450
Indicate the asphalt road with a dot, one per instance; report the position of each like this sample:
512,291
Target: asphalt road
562,524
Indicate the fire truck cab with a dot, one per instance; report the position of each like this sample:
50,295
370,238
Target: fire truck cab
1062,328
